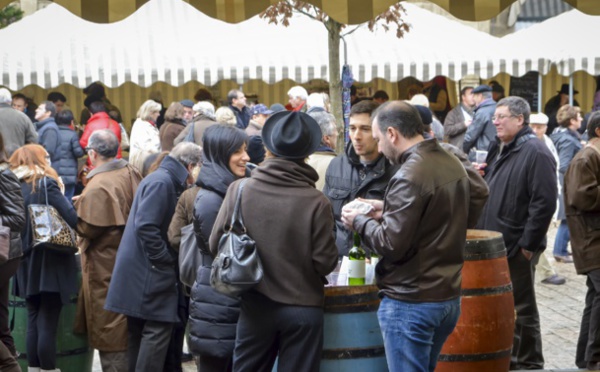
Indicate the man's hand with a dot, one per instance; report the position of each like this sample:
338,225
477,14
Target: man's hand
348,216
468,122
480,168
377,205
528,254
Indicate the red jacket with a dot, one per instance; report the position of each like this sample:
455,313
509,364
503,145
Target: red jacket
100,120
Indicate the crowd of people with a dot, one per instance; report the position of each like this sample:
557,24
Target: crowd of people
416,163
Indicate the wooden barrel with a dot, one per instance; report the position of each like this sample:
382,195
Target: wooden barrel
482,339
352,337
73,353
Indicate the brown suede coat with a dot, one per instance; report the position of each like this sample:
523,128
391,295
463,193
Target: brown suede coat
103,208
292,224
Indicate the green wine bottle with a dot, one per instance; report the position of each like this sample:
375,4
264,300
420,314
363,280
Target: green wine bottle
374,258
356,267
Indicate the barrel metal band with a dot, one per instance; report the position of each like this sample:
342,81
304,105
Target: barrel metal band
336,354
65,353
484,255
487,291
474,357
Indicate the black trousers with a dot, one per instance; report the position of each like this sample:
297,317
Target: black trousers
266,328
588,345
7,270
527,340
175,351
43,312
148,342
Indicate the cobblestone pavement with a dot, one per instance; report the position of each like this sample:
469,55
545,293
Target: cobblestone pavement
560,312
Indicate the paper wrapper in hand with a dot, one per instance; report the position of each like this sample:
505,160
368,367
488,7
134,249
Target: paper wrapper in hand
361,207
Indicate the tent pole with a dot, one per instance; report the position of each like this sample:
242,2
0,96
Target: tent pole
571,90
539,108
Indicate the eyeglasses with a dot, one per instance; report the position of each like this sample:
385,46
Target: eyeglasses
502,117
88,149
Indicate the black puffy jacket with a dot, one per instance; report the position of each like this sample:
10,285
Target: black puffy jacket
347,179
12,209
71,150
213,316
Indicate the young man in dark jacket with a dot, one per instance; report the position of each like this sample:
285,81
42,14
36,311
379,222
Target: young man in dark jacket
361,171
521,175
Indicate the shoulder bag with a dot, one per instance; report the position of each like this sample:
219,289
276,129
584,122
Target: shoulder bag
189,256
49,230
237,267
189,137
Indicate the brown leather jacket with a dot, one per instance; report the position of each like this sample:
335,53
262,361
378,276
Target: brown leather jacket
582,204
422,233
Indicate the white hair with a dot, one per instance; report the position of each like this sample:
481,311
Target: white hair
5,96
205,107
419,100
315,100
298,92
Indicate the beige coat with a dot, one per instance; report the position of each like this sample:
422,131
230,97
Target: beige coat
103,209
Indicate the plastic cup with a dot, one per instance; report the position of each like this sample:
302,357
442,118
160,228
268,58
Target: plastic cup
480,156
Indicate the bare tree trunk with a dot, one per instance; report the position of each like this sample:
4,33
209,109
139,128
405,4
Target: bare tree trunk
335,80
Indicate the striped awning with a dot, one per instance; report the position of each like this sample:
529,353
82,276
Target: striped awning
138,50
344,11
560,40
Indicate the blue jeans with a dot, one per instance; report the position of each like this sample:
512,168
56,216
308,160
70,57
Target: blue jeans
414,332
562,239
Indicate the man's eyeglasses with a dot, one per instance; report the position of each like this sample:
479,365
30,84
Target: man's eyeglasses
502,117
87,149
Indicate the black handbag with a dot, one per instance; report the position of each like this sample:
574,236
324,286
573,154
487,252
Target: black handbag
237,267
49,230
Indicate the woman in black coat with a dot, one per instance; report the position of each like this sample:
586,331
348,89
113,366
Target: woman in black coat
71,151
213,316
45,279
12,215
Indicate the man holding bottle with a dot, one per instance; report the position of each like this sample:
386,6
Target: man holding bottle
419,233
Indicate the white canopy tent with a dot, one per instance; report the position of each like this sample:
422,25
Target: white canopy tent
567,40
170,41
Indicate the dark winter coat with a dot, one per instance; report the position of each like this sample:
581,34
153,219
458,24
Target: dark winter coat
49,137
347,179
582,204
42,270
12,209
199,123
482,131
292,224
243,116
144,282
213,316
567,145
523,190
71,151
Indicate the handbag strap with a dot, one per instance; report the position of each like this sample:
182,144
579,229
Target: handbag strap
45,189
237,210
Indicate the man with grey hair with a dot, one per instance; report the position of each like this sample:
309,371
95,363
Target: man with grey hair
204,117
481,131
15,126
521,175
144,286
237,103
325,153
112,184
